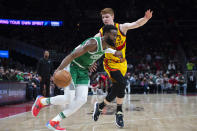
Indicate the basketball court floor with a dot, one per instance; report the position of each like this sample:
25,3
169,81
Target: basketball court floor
152,112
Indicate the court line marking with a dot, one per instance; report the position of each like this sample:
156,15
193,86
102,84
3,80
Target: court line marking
154,118
100,124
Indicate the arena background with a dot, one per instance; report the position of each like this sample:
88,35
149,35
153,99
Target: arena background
169,37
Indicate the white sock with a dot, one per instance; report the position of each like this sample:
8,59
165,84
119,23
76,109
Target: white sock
59,117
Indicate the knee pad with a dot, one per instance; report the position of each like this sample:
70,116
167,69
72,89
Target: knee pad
112,95
121,89
121,93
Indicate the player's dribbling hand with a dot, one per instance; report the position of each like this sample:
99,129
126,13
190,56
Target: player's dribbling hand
55,72
148,14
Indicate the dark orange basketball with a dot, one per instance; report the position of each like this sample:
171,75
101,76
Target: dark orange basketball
62,78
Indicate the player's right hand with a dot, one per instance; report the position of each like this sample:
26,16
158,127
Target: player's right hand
148,14
55,72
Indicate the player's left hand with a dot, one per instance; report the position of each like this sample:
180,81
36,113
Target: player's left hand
118,54
148,14
93,67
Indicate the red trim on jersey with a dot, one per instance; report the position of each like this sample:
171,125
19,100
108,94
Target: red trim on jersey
116,61
121,47
107,66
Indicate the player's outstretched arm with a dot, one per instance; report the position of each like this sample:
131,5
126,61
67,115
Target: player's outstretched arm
140,22
91,45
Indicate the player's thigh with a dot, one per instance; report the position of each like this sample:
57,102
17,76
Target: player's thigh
118,77
82,77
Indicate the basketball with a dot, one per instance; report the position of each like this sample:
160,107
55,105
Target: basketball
62,78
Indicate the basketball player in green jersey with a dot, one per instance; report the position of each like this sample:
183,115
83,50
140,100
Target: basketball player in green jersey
78,63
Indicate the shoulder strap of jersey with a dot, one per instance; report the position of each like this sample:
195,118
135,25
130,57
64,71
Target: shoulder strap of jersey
99,44
101,32
118,27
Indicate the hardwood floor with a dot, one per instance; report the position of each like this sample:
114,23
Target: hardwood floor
157,112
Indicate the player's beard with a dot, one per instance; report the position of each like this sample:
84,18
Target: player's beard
110,42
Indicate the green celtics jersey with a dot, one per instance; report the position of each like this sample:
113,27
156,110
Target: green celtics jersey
87,59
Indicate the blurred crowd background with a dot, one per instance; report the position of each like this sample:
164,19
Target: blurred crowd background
161,55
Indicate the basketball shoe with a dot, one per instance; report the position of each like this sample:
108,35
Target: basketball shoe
37,106
54,125
96,112
119,119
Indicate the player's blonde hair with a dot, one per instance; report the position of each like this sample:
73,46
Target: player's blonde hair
107,11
